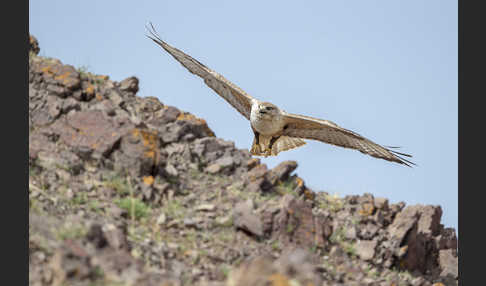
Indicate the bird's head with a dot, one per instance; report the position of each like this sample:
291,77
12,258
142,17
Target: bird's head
267,110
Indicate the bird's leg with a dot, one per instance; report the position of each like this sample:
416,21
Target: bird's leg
255,148
257,137
272,141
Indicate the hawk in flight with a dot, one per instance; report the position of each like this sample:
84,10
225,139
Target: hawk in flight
276,130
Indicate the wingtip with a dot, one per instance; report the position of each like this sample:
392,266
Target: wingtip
405,161
152,31
399,158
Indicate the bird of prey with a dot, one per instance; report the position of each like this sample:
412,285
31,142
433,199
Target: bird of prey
276,130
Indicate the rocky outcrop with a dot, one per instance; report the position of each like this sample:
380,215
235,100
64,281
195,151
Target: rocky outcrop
125,190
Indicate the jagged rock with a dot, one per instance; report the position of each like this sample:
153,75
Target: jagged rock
365,249
139,153
90,133
403,223
213,168
368,231
295,223
245,219
447,239
257,172
129,84
225,163
282,171
33,45
169,114
257,180
415,227
381,203
209,149
429,222
448,263
253,162
61,80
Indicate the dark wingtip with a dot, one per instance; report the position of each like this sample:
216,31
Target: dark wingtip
393,147
403,160
154,36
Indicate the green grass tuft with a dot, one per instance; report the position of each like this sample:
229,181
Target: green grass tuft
135,207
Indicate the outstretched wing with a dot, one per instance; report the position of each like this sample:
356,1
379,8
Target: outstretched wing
329,132
229,91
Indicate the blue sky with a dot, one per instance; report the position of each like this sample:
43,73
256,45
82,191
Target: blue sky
384,69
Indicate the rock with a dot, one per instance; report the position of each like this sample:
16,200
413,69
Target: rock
193,222
114,236
172,132
365,198
368,231
139,153
170,115
129,84
403,223
253,162
415,227
448,263
171,170
429,222
213,168
33,45
282,171
447,239
210,149
381,203
350,233
90,133
161,219
245,219
225,162
206,207
365,249
295,223
366,209
257,172
292,268
157,279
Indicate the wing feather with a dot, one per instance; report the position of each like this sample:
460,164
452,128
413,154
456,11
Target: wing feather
329,132
234,95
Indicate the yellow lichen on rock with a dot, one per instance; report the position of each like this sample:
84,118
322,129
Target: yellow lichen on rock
367,209
149,140
278,279
190,117
89,90
148,180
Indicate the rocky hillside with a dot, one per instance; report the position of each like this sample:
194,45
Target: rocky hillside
125,190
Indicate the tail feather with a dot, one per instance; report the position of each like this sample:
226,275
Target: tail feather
285,143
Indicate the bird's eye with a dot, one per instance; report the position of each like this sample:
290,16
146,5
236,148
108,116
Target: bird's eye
269,107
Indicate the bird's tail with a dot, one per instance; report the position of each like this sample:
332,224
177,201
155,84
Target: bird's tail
283,143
